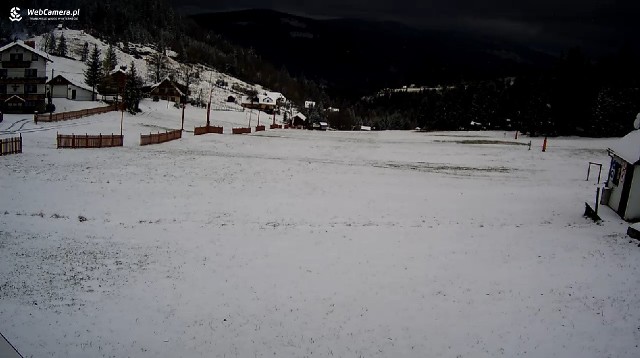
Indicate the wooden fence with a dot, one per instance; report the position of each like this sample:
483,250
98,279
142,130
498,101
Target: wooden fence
160,137
275,126
89,141
11,145
241,130
205,130
260,128
65,116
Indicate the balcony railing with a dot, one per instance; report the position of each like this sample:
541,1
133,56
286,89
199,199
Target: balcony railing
16,64
21,80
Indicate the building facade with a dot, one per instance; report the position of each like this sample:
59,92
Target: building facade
23,77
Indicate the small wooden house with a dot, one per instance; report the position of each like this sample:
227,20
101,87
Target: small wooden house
113,84
298,120
622,191
169,90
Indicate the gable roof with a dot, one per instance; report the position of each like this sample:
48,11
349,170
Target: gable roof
300,115
26,47
69,82
14,99
175,85
628,147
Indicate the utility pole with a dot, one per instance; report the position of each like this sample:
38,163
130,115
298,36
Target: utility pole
182,126
209,104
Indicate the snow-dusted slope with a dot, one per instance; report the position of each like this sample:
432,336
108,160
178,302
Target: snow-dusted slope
73,69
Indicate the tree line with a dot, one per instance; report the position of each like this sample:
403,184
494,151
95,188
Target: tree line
577,96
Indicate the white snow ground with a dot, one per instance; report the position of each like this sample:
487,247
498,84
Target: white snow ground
300,243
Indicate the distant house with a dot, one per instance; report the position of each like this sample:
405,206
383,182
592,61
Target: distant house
169,90
61,87
622,192
113,84
23,77
277,96
259,102
298,120
309,104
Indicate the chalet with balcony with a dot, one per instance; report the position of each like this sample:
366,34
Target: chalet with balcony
113,84
168,90
23,77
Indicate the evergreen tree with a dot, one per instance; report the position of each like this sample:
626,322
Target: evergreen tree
62,49
110,60
93,73
132,92
85,52
50,43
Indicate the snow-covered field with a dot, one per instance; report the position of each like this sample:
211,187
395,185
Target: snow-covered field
297,244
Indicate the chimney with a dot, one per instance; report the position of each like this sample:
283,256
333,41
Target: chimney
31,43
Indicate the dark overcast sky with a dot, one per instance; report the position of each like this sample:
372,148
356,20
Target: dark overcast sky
596,25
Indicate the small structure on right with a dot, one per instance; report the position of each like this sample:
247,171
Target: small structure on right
298,120
622,191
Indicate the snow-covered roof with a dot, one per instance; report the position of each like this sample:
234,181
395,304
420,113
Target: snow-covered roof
82,85
170,82
26,47
275,95
301,116
628,147
262,99
73,83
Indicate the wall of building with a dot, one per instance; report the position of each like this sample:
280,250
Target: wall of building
59,91
81,93
616,189
633,205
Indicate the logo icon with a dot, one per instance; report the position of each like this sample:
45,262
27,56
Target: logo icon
15,14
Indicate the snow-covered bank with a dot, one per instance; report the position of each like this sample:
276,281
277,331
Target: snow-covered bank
300,243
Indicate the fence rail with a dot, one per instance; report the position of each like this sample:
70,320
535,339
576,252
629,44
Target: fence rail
65,116
89,141
205,130
260,128
160,137
11,145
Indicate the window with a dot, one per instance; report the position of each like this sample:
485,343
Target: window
34,57
3,73
30,72
30,88
15,57
3,89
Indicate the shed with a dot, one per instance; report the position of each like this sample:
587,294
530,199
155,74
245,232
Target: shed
298,119
622,191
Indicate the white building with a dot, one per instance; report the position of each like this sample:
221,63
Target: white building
61,87
622,192
23,74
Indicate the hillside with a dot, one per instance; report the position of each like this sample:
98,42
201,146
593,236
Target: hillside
73,69
359,57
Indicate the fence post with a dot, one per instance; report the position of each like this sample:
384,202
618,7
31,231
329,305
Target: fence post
20,145
73,140
100,143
